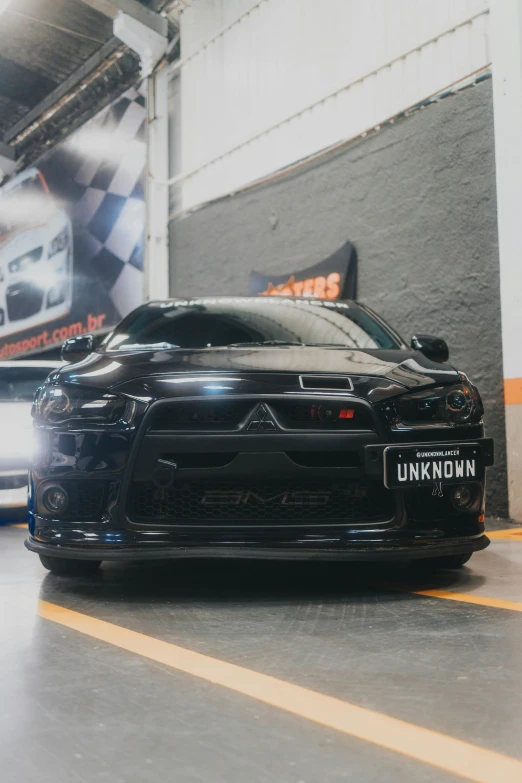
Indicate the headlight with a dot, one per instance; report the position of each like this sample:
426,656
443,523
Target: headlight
24,262
59,243
57,404
460,404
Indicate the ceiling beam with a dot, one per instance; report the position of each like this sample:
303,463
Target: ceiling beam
133,8
69,84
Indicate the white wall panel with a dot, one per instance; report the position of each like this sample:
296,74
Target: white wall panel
296,76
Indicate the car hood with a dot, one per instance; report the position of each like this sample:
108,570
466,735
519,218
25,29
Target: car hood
38,233
129,372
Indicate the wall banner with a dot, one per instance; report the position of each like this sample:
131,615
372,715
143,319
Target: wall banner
71,233
333,278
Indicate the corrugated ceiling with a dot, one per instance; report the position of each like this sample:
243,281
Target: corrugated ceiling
36,56
48,49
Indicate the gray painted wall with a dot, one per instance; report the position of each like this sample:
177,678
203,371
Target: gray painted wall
418,201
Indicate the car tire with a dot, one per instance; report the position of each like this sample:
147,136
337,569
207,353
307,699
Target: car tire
63,567
444,562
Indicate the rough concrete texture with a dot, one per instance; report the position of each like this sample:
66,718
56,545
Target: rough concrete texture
418,201
514,460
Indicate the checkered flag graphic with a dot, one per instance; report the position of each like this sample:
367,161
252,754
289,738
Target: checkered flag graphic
110,215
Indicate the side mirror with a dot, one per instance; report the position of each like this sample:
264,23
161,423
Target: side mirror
433,348
77,348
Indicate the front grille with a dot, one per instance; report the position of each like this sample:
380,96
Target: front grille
198,459
314,414
23,299
261,503
217,414
233,414
85,498
325,459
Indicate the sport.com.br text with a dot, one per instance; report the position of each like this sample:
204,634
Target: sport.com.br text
46,337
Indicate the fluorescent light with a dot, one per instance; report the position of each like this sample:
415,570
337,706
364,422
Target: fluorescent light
3,5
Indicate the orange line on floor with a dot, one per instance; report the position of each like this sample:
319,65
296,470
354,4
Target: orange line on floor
510,534
450,595
468,598
439,750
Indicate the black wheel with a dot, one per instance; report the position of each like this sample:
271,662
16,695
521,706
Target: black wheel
62,567
446,561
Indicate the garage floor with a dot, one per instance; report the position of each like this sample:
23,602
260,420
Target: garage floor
172,685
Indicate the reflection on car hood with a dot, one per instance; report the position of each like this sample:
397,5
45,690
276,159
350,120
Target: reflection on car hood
125,370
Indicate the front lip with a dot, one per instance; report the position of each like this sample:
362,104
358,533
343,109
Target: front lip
411,551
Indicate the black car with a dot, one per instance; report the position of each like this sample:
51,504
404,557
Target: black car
259,427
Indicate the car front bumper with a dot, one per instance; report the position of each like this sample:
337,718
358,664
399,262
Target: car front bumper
411,550
290,495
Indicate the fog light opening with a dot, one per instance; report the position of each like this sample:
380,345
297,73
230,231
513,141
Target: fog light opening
55,500
463,497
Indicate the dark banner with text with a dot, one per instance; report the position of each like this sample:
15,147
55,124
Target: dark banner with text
333,278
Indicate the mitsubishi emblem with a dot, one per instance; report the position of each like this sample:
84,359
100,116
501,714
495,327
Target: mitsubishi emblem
261,421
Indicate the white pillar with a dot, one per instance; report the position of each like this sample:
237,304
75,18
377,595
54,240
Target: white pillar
147,36
157,196
506,46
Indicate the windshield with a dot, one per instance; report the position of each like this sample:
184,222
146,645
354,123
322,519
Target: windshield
23,205
19,384
209,323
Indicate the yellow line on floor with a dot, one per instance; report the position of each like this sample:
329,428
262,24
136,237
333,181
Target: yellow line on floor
22,525
451,595
455,756
510,534
467,598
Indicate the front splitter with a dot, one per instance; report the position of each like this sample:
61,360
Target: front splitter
373,553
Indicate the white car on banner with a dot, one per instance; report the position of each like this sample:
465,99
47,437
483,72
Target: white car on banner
36,242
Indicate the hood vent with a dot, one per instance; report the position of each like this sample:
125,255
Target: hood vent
326,382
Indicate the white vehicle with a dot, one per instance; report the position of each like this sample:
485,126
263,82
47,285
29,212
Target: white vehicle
18,384
36,242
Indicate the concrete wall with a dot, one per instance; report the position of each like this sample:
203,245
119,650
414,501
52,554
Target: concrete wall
418,201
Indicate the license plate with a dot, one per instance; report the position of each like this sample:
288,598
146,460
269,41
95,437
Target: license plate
418,466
